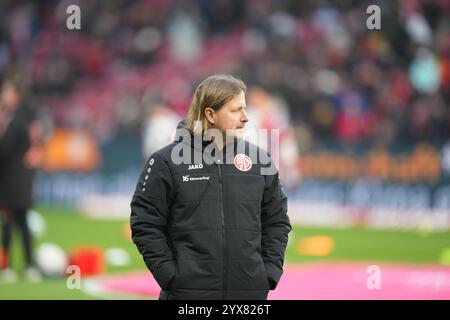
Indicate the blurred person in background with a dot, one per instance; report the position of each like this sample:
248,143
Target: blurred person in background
211,230
159,128
19,155
269,112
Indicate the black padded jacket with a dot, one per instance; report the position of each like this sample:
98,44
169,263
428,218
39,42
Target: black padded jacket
210,230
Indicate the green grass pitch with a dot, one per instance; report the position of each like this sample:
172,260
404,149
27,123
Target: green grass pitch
69,229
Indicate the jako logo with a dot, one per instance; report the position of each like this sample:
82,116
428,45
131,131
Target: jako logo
195,166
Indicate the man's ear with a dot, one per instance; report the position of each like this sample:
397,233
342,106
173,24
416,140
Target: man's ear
209,115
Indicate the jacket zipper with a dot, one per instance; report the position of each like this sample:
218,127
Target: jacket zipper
225,260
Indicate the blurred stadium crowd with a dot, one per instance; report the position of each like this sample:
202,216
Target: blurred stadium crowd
335,79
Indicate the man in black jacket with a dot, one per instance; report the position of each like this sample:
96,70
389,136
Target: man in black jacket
17,135
209,215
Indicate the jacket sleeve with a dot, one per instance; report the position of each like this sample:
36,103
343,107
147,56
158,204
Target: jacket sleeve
149,214
275,228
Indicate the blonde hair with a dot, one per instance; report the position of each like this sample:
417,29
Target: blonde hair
213,92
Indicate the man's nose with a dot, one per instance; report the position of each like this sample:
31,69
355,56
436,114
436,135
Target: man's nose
244,117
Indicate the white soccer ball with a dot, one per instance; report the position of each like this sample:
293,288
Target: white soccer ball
117,257
51,259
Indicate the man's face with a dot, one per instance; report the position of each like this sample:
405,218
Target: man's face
232,117
9,96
